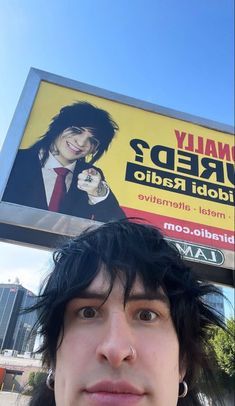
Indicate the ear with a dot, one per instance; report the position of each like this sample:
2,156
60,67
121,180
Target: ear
53,149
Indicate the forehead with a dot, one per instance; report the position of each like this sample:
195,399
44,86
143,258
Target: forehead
100,286
101,283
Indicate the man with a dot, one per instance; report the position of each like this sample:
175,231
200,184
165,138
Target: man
57,172
124,322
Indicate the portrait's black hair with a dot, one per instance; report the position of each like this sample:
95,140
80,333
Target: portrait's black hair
79,114
131,249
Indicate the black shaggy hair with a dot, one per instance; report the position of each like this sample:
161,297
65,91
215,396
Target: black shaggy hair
133,249
79,114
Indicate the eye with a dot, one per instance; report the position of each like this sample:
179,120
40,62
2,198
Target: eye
147,315
76,130
87,312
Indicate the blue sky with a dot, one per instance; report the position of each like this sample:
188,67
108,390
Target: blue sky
178,54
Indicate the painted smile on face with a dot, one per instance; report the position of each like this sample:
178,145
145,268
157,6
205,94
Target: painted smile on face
74,143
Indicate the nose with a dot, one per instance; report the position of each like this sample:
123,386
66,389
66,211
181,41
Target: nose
80,140
117,344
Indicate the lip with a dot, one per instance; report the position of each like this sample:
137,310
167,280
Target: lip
73,148
108,393
121,387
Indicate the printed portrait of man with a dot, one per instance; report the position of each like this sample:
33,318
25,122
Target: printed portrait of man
57,172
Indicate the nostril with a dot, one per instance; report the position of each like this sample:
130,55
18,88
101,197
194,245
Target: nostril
79,143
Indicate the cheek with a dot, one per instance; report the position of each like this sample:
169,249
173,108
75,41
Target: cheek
75,349
88,151
161,355
70,362
61,142
161,359
57,144
69,350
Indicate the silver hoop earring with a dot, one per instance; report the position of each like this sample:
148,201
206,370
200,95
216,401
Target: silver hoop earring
185,391
50,379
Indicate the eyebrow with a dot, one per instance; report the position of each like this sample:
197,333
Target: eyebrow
82,128
131,298
88,128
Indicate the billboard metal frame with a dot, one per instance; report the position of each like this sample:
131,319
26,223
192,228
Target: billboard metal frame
30,226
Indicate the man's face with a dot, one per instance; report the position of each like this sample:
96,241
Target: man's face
74,143
116,355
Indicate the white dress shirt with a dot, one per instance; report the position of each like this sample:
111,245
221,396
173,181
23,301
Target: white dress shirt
50,176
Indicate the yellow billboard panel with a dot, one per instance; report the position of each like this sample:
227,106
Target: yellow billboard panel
122,160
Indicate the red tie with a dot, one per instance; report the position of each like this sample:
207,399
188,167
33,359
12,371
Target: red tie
59,189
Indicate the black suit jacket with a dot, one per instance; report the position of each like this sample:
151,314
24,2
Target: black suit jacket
26,187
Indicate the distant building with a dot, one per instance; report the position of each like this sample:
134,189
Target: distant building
217,303
16,328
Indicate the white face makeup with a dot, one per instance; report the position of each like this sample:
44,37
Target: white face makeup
74,143
116,355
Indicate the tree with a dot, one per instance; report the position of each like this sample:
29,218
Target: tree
31,379
35,378
224,346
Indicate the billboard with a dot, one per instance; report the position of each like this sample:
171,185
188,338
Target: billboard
123,158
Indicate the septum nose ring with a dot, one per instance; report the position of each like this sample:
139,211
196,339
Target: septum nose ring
133,353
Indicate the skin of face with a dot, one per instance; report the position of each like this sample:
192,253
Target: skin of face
71,146
95,365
